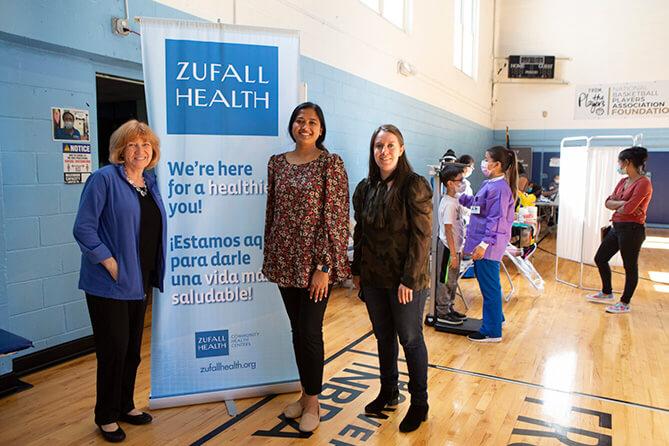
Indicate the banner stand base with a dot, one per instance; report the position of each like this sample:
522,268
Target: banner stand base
231,407
224,395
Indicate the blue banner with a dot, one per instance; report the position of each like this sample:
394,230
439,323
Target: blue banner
219,98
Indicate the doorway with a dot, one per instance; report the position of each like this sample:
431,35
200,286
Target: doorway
118,100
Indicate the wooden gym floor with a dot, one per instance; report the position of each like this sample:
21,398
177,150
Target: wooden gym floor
565,373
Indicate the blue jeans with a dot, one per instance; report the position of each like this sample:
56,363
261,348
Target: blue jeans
391,319
487,274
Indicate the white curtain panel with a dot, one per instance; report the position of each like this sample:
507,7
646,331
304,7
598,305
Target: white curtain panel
587,177
573,172
602,178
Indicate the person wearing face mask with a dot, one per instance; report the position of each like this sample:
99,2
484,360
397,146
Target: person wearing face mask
68,132
553,188
392,237
489,232
449,250
468,162
528,197
306,238
629,201
121,230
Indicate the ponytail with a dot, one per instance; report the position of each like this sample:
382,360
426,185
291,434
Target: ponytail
507,158
512,173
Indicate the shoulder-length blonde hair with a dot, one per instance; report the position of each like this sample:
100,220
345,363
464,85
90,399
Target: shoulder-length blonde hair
127,132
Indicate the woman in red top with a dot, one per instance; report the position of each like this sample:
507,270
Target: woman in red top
306,237
630,201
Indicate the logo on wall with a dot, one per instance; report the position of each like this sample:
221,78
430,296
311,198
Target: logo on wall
216,88
211,343
631,100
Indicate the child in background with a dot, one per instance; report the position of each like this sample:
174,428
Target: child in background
468,162
489,232
447,158
451,237
529,196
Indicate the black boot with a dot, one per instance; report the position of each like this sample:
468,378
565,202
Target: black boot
415,415
385,398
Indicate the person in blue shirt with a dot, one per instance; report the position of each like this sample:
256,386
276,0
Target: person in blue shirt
68,131
121,230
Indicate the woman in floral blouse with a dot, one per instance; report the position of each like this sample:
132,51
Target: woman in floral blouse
306,236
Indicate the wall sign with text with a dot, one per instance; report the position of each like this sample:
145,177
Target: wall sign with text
77,163
630,100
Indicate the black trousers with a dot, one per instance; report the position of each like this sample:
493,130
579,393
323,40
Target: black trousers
306,323
117,329
391,319
626,238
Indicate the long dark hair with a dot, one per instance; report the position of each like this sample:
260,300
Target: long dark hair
399,177
319,112
507,158
636,155
403,169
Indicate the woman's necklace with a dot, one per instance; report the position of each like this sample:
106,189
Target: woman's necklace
143,190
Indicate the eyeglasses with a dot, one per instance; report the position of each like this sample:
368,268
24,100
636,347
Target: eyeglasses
133,146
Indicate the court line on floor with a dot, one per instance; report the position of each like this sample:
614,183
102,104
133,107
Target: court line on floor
529,384
249,410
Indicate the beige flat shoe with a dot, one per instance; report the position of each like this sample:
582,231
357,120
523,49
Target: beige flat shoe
309,421
293,410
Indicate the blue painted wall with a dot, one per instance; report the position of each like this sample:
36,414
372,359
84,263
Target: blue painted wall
40,255
542,172
47,62
546,144
655,139
354,108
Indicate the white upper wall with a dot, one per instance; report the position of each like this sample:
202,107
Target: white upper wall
350,36
609,41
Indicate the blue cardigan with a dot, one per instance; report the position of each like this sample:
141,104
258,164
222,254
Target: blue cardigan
107,225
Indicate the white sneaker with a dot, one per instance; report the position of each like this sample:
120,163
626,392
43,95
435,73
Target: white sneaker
601,298
618,308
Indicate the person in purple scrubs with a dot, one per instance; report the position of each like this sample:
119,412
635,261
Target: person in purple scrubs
488,233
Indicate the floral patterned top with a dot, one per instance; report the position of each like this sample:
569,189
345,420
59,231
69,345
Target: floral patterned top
306,221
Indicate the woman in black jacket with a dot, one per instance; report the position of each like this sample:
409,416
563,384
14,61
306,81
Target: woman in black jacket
393,213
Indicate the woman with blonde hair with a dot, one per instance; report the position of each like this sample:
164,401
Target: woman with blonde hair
121,230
